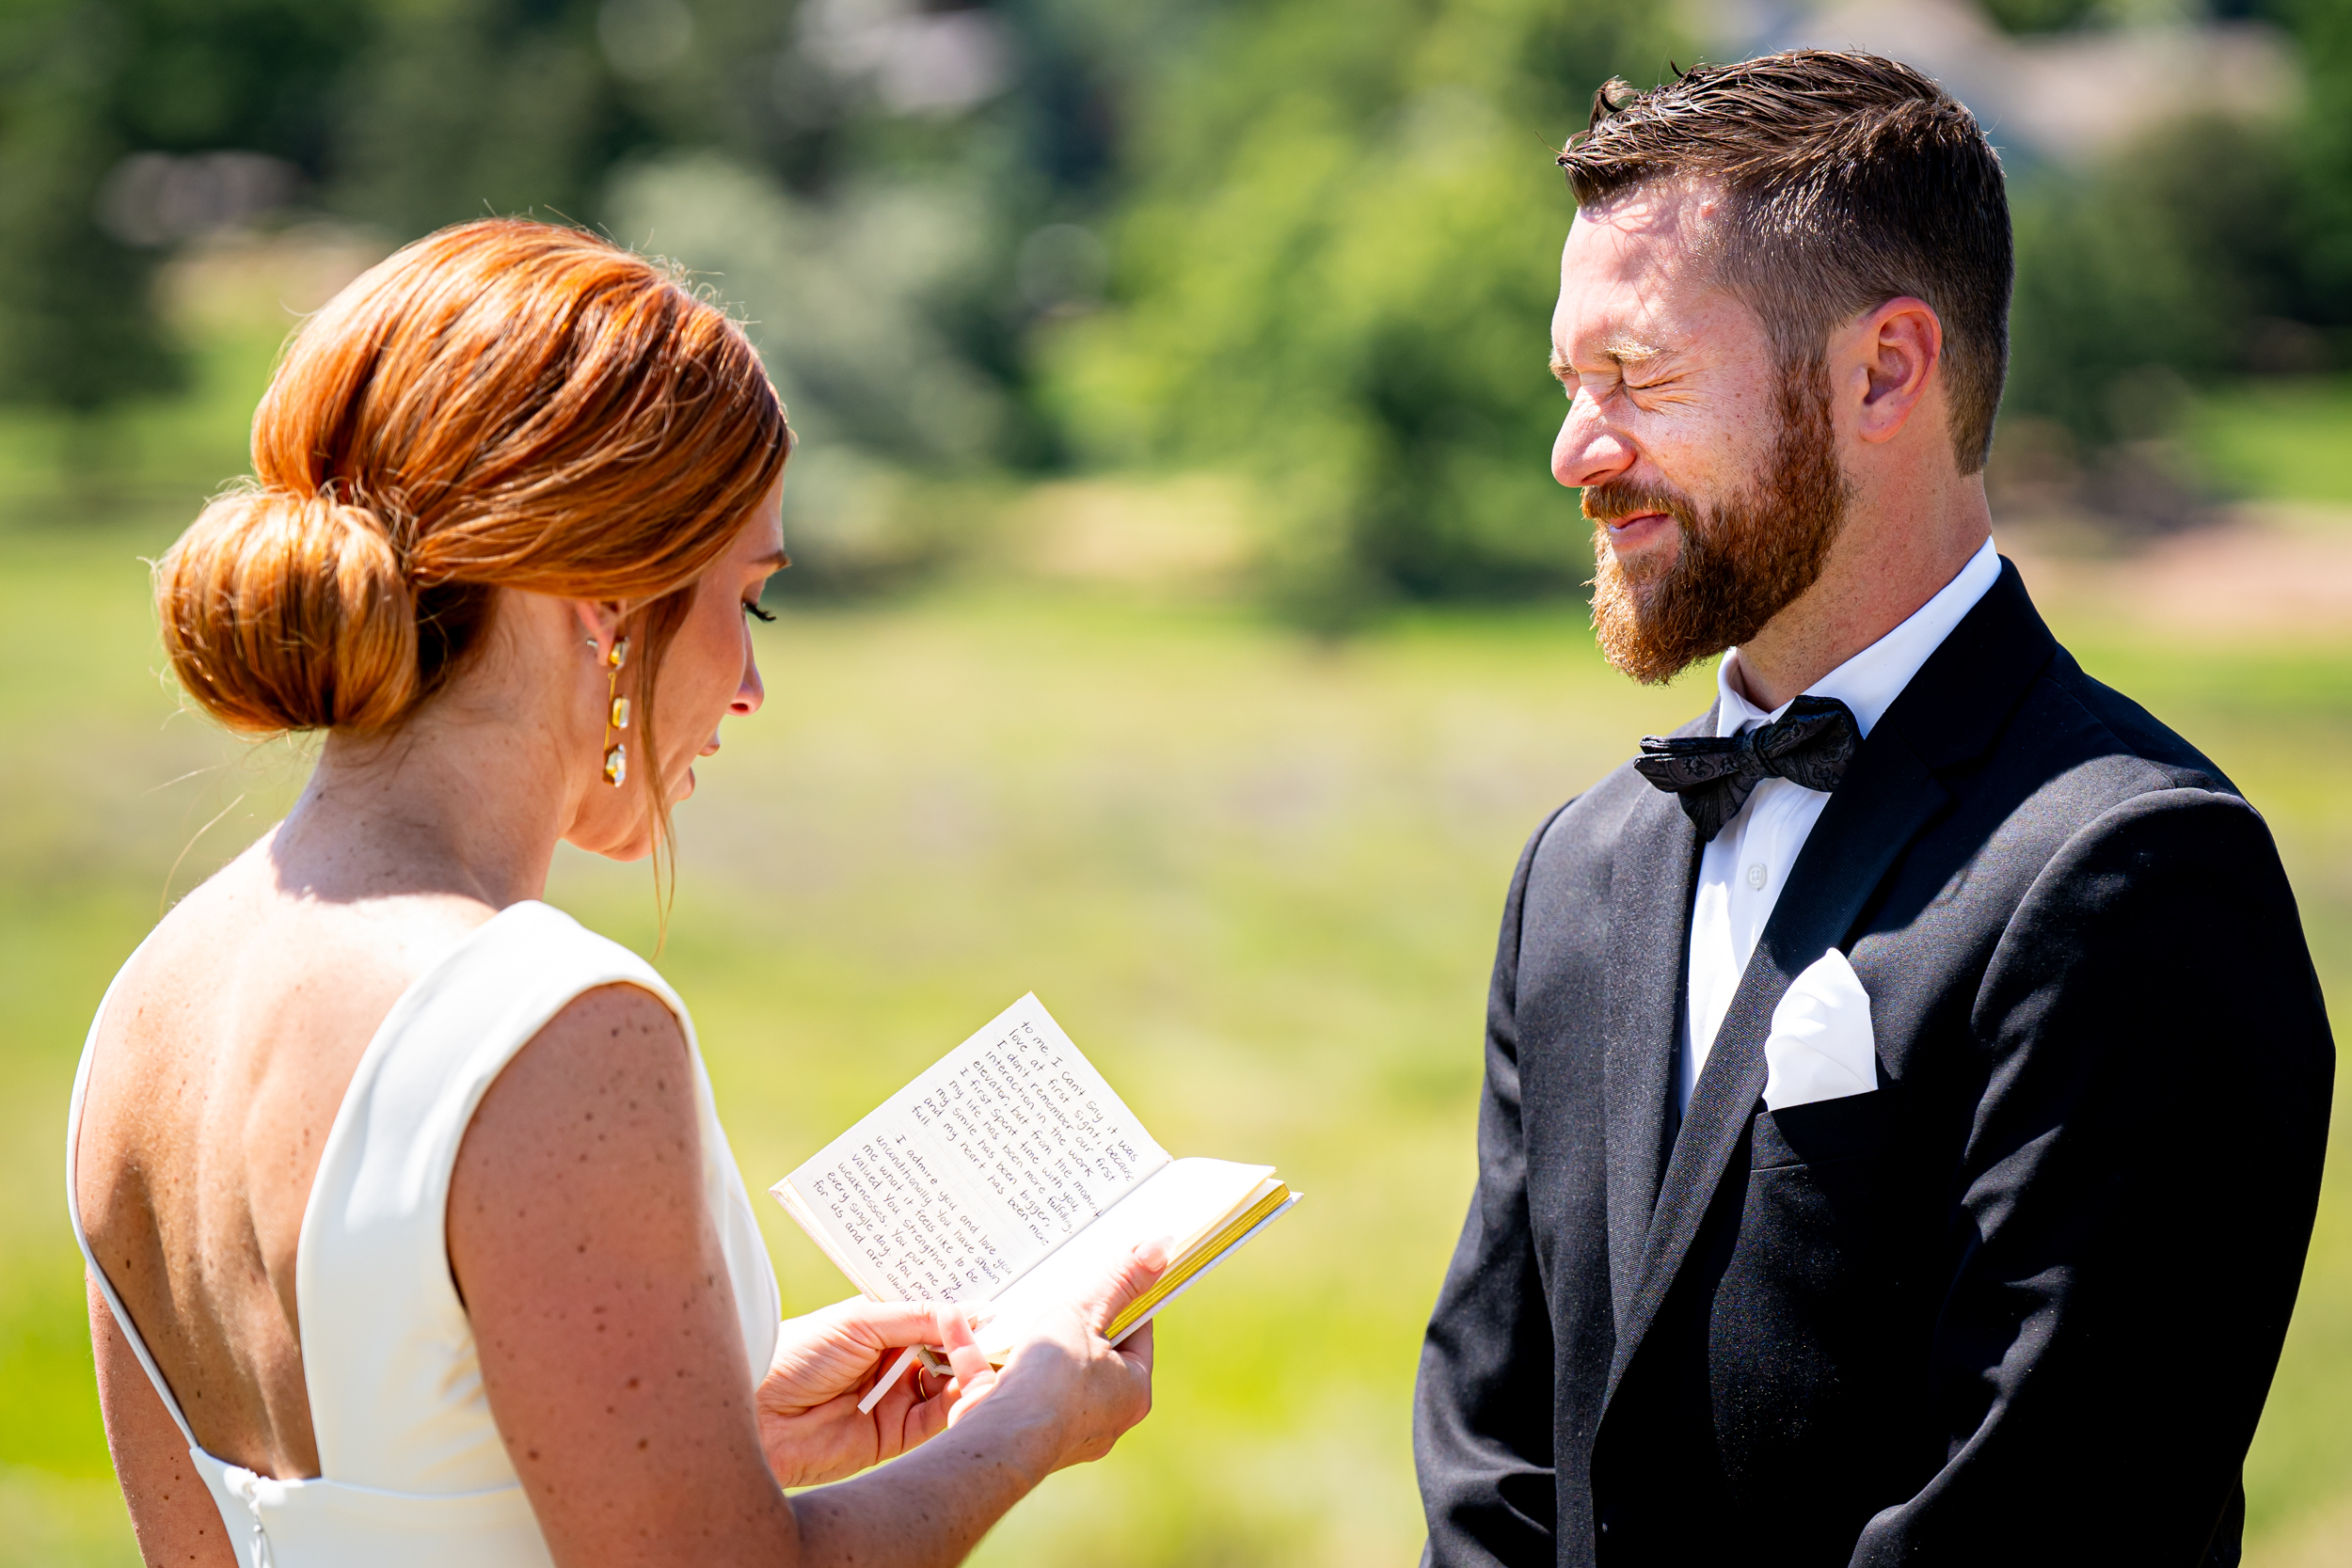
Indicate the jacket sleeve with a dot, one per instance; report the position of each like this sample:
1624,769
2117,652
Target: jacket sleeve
1483,1403
2135,1202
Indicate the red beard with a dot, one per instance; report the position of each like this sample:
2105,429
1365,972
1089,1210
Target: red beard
1733,571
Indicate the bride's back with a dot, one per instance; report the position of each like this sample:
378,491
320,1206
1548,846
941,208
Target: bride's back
224,1055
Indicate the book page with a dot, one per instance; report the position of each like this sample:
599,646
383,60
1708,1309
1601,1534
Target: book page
1184,1205
955,1186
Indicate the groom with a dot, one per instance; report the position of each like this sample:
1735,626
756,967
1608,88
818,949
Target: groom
1906,1086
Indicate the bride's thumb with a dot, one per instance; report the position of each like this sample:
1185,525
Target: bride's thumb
1127,1283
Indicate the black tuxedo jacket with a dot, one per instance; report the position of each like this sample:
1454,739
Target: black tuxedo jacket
2020,1305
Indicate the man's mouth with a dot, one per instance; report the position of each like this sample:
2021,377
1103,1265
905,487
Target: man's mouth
1635,525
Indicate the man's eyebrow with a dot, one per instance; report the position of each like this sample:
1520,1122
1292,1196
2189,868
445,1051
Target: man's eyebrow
1628,350
1619,351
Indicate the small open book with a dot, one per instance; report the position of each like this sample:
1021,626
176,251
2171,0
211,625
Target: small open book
1010,1177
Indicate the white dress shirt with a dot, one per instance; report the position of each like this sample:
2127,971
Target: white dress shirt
1741,869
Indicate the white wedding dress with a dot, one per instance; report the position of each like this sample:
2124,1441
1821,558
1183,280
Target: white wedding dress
411,1468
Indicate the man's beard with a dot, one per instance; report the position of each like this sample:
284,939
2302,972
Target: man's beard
1744,564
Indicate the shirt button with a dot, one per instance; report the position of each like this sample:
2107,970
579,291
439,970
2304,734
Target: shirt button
1757,876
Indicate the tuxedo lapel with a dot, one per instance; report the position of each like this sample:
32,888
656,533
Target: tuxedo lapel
1650,928
1948,713
1885,800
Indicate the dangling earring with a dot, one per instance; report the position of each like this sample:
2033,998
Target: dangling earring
616,717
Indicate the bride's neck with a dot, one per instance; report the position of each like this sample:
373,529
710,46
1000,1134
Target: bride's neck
457,803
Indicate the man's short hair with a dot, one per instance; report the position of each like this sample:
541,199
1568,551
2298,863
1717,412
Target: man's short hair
1852,180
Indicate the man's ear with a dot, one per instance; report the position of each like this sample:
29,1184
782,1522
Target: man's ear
600,620
1894,351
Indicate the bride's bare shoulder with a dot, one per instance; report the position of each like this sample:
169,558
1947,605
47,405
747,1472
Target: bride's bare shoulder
252,983
253,937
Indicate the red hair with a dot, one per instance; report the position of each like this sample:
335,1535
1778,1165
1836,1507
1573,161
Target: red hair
500,405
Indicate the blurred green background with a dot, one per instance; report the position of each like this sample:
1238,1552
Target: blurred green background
1186,626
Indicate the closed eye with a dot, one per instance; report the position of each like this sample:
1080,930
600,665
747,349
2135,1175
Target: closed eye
753,610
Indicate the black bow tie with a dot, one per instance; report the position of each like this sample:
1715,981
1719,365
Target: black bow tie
1810,745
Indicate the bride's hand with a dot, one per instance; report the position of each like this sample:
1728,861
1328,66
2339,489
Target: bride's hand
810,1427
1085,1392
1066,1387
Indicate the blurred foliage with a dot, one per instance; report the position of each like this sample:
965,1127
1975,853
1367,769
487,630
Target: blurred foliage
2037,16
1302,241
2319,155
2219,243
2176,258
1336,264
78,329
883,168
1334,226
855,297
2046,16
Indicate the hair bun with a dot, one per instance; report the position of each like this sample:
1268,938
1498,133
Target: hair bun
289,612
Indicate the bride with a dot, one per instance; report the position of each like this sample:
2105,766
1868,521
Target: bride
412,1235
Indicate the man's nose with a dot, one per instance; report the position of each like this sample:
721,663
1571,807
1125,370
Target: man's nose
1588,452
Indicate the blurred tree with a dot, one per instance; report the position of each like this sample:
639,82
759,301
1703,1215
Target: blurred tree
82,85
2037,16
2320,155
129,126
203,75
2176,258
474,107
1336,270
77,331
2218,244
1333,222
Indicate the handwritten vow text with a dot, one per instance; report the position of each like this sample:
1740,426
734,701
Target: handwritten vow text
958,1183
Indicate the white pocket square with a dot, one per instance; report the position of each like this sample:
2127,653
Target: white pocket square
1820,1046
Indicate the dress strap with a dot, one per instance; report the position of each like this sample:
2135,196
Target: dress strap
73,1210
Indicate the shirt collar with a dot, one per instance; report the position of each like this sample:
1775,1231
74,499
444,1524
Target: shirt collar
1869,682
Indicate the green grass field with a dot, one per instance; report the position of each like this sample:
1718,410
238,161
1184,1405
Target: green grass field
2287,439
1256,879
